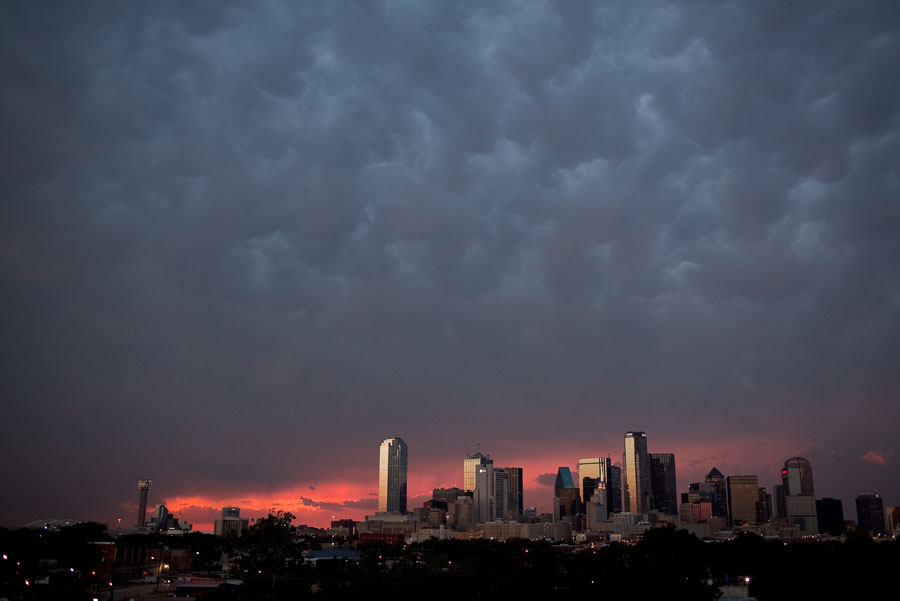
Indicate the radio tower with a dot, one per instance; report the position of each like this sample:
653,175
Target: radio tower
144,487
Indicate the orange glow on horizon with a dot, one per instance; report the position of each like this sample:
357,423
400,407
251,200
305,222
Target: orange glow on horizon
316,504
312,506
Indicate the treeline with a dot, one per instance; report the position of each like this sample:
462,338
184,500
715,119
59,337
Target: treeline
666,564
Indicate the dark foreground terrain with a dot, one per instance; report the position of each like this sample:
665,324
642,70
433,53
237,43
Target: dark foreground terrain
666,564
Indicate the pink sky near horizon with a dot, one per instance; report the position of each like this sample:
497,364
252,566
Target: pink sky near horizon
316,503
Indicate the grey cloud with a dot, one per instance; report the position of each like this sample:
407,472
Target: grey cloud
546,479
236,235
361,504
367,504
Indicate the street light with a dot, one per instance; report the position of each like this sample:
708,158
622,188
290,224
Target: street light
159,573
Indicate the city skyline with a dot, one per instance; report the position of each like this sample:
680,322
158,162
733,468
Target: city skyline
241,244
323,513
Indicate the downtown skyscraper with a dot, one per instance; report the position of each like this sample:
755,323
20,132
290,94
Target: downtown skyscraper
470,467
870,514
662,482
392,476
796,477
637,496
143,486
596,468
720,501
799,495
498,492
743,496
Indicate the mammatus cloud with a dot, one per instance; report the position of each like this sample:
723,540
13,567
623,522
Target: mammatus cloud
257,240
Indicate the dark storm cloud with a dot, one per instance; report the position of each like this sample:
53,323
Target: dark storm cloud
240,245
548,479
367,504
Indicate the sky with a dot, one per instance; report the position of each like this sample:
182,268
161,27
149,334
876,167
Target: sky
241,244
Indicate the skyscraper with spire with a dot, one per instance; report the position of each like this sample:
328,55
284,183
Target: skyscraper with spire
392,476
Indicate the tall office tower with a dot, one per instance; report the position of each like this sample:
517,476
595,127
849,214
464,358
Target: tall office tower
870,514
491,493
144,487
563,480
515,503
614,487
638,496
483,493
470,464
501,494
763,506
796,476
743,494
566,495
830,515
392,476
592,467
662,483
778,500
799,495
587,468
720,505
